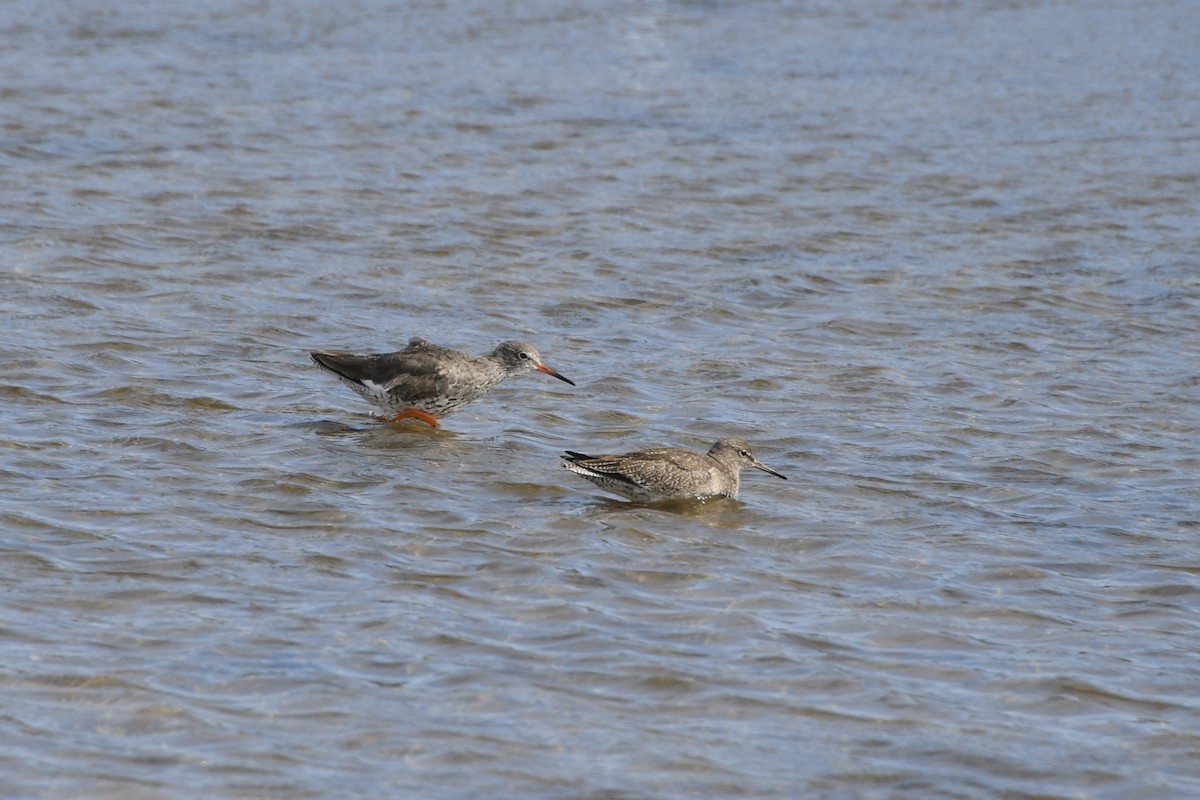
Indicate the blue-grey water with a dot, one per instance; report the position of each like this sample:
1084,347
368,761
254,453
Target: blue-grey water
939,262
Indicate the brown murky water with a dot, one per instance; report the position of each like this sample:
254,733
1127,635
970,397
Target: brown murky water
937,262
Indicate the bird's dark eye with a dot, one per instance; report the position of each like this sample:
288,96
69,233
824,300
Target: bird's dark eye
744,453
523,355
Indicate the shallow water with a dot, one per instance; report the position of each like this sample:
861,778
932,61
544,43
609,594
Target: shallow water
936,262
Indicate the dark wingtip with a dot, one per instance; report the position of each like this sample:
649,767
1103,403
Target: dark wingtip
322,359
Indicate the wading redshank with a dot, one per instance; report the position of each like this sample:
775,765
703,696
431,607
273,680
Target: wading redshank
427,382
669,473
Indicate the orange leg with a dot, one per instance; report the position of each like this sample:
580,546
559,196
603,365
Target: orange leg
413,413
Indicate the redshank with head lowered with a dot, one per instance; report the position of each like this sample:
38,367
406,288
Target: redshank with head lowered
427,382
669,473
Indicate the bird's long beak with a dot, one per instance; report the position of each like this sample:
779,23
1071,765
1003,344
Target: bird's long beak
548,371
759,465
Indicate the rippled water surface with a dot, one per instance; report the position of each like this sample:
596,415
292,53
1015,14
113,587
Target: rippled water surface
938,262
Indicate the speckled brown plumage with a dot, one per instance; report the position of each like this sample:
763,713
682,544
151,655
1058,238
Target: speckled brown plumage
669,473
427,381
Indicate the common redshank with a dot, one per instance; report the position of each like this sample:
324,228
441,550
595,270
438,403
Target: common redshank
427,382
669,473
